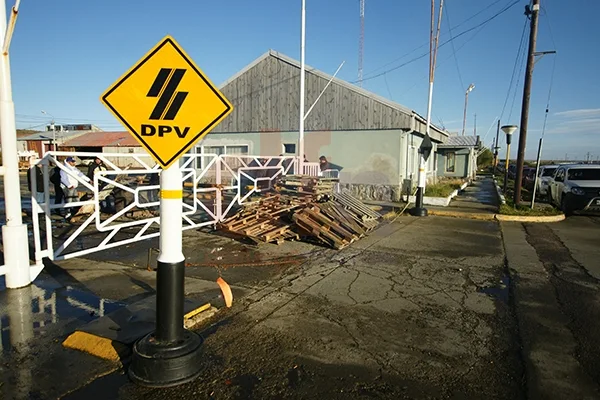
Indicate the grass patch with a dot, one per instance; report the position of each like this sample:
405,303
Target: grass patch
443,189
522,210
526,194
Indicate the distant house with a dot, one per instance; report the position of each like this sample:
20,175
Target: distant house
373,139
106,142
458,157
42,142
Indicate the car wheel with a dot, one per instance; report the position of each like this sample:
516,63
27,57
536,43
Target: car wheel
565,206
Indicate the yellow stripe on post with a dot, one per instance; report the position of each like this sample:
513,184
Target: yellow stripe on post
171,194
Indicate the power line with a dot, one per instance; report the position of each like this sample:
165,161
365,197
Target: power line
549,94
462,86
445,59
42,118
427,43
388,88
444,43
521,44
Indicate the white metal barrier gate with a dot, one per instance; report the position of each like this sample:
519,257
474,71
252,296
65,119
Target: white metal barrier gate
223,177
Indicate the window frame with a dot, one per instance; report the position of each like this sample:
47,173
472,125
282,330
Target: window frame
283,151
446,164
200,163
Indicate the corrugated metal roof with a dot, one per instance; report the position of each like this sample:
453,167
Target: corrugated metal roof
103,139
461,141
47,135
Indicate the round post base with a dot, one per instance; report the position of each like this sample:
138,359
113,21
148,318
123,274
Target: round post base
418,212
160,365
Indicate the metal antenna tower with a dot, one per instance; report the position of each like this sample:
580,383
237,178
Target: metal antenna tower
361,41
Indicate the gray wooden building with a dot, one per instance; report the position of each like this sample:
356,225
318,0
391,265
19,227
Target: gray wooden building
457,157
373,139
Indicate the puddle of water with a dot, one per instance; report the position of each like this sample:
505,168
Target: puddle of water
45,308
499,291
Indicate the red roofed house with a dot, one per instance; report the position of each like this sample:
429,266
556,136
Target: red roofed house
106,142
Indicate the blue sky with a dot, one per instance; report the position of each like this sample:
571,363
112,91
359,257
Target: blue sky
65,53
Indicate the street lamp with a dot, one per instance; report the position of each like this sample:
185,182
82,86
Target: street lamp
508,130
51,128
470,88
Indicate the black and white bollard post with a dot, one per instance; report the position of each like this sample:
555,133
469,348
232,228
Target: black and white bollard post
424,151
170,355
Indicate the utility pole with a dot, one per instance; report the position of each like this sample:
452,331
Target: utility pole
426,145
496,147
475,126
533,13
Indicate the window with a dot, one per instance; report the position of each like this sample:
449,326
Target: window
450,162
214,150
584,174
289,148
130,150
234,150
548,171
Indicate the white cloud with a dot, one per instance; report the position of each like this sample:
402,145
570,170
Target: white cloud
580,113
580,121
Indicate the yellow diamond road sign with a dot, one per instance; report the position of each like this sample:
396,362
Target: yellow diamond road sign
166,102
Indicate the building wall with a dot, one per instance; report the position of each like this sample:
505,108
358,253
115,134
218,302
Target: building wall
266,97
125,161
37,146
370,159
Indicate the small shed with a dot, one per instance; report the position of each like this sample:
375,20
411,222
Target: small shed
458,157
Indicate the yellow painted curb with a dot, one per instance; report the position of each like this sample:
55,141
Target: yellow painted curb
115,351
458,214
497,217
524,218
390,215
97,346
197,311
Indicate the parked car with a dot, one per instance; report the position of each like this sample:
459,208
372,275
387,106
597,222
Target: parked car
528,179
544,177
576,187
512,171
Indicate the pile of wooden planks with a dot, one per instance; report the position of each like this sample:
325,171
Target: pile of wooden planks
304,185
336,221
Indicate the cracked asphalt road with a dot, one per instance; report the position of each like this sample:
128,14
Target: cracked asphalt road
415,310
423,308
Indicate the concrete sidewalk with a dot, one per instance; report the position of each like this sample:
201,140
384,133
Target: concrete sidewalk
478,198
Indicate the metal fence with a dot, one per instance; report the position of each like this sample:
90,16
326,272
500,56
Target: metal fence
118,206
